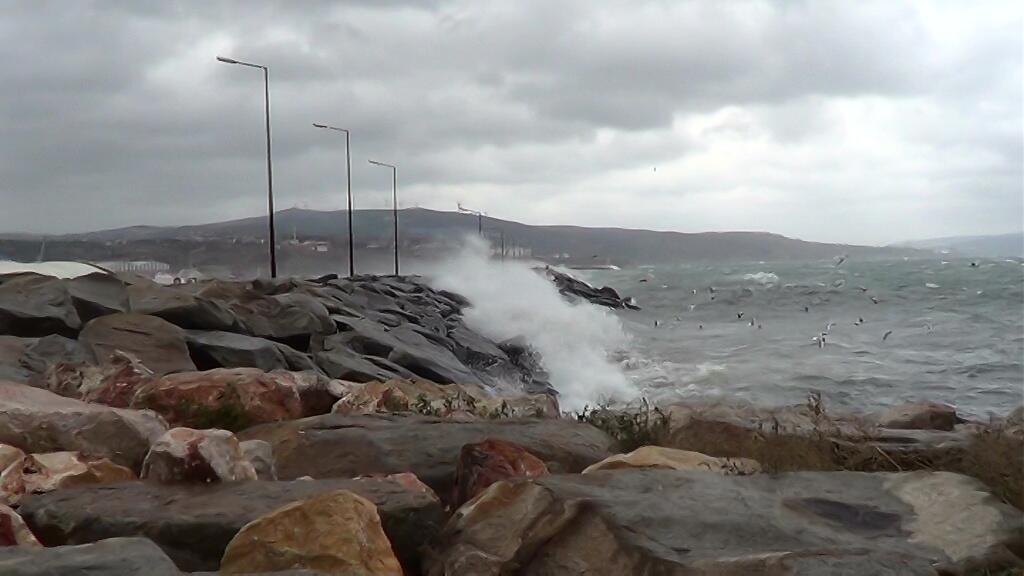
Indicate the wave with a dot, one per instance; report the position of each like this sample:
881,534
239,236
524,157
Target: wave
764,278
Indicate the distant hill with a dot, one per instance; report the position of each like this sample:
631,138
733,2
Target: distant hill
421,227
995,246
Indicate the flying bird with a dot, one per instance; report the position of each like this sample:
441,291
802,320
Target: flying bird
739,315
828,327
841,259
886,335
874,300
862,288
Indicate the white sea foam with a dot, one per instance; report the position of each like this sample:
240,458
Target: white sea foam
509,299
765,278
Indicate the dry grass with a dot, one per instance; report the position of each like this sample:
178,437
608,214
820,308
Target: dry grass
992,455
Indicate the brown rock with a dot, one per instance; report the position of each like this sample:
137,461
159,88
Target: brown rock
449,400
334,533
199,456
38,421
228,398
56,470
672,459
13,531
920,416
484,463
157,343
12,481
112,384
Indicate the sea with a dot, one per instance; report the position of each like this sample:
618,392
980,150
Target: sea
947,330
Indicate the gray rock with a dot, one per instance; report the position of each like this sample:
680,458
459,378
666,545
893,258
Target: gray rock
33,305
338,360
159,344
180,307
193,524
336,446
920,416
36,420
12,356
691,522
112,557
216,349
97,294
50,350
261,455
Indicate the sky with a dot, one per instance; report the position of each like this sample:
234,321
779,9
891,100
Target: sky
861,122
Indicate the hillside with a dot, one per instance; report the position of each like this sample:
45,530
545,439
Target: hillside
994,246
436,228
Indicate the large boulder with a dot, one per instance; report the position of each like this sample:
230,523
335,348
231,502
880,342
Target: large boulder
260,455
32,305
12,353
112,383
158,344
484,463
214,349
288,320
672,459
229,398
920,416
197,456
97,294
37,421
334,533
180,307
51,471
114,557
683,522
332,446
338,360
54,349
13,531
194,524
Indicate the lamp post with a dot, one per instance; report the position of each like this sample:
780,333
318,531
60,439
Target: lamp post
270,170
394,202
479,218
348,172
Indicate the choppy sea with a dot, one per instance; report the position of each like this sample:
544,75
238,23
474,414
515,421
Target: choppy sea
748,331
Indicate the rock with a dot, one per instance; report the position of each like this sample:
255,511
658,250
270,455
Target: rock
332,446
180,307
920,416
113,557
38,421
227,350
158,344
333,533
288,320
317,393
54,349
339,361
672,459
435,400
197,456
228,398
112,384
12,478
58,470
14,532
12,353
261,455
575,288
97,294
34,306
683,522
194,524
484,463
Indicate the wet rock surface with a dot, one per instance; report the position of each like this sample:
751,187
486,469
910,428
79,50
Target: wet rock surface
333,445
574,288
194,524
114,557
676,522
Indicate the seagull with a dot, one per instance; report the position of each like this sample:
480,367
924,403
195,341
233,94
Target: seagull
643,280
886,335
819,340
858,322
739,315
841,259
874,300
694,291
700,326
928,326
657,323
862,288
692,306
752,322
828,327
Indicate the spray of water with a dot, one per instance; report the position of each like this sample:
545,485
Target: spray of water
509,299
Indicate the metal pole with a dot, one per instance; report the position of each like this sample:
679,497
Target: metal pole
394,209
502,235
351,242
270,177
480,223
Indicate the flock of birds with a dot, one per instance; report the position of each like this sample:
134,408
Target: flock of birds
820,339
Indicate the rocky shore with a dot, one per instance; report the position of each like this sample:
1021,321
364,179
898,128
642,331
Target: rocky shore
359,426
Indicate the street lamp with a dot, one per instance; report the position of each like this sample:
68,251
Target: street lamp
348,172
394,202
479,218
270,170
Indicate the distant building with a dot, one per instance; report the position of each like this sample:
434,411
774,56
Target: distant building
149,267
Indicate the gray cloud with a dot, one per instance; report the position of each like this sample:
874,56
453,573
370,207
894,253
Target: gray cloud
859,122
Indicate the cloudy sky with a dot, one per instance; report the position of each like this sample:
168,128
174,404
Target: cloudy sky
853,121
